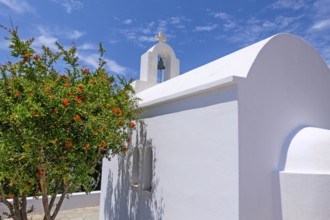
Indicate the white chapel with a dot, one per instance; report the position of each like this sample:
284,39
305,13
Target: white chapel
245,137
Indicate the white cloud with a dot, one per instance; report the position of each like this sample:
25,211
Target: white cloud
307,19
162,25
151,24
253,29
146,39
4,45
222,15
60,32
138,36
227,19
93,61
289,4
321,25
321,8
115,67
175,20
208,27
146,30
283,22
47,41
127,21
18,6
178,21
229,25
113,41
74,34
70,5
143,34
129,34
88,46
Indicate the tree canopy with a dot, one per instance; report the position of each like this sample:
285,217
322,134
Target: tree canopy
56,125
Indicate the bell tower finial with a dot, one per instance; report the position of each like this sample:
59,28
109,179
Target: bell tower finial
160,37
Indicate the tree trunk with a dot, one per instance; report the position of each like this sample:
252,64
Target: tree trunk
16,208
23,207
44,192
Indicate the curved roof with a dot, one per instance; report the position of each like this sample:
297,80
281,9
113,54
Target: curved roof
309,151
222,71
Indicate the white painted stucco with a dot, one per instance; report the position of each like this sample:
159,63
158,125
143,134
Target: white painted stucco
211,177
220,135
305,180
218,72
309,152
286,89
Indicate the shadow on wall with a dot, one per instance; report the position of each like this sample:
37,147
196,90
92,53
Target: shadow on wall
126,202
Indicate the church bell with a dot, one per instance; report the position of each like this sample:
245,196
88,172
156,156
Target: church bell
160,65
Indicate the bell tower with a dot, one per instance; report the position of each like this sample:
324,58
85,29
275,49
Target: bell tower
160,57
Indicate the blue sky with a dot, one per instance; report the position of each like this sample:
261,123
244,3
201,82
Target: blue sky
198,31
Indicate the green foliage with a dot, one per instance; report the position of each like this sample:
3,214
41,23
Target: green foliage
56,126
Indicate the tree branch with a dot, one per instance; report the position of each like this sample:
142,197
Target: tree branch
59,204
53,197
5,201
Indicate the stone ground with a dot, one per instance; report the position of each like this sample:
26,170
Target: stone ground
89,213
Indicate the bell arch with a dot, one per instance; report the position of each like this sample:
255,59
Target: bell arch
149,65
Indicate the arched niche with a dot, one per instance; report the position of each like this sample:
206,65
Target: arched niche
136,167
148,169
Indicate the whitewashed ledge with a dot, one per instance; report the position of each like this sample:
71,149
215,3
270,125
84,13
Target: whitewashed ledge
75,201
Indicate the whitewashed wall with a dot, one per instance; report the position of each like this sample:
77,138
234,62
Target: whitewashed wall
305,180
195,162
287,88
